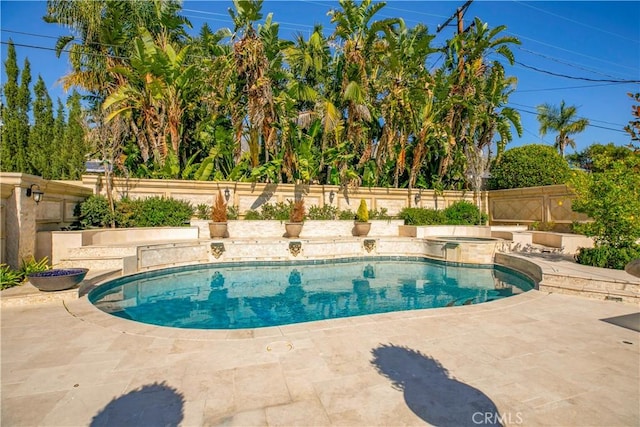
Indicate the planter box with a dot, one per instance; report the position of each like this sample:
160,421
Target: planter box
570,243
422,231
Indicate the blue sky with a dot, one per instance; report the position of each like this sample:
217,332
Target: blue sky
597,40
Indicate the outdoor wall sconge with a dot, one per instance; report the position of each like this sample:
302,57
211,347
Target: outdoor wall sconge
227,194
332,196
36,193
417,198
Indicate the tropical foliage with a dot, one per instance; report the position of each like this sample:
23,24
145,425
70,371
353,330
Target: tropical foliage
358,107
563,120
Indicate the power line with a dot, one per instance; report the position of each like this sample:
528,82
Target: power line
560,61
62,50
591,125
537,136
573,77
567,87
591,120
573,52
575,22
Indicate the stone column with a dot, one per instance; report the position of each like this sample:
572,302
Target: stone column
20,226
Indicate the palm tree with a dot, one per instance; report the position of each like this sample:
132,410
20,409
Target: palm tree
154,96
478,92
563,120
356,69
402,87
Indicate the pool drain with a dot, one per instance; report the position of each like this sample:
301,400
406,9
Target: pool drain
279,347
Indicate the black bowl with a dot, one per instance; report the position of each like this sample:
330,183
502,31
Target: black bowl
57,279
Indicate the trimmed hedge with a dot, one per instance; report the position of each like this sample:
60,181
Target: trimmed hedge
459,213
529,166
150,212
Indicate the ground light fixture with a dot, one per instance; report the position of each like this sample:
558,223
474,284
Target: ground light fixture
35,192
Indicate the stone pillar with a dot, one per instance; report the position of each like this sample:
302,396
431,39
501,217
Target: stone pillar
20,227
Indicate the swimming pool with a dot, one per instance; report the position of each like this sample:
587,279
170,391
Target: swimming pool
259,294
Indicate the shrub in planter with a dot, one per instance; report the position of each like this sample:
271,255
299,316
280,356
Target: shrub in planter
279,211
326,212
464,213
362,215
161,211
421,216
94,212
218,226
297,212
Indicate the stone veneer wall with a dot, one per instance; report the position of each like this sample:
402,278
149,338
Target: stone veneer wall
251,196
546,204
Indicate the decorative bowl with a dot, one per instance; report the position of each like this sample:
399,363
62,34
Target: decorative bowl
57,279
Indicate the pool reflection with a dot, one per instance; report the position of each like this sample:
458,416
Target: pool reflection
244,297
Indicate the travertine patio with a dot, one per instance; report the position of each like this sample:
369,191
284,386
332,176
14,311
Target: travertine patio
534,359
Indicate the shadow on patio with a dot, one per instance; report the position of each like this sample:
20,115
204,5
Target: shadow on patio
154,404
430,392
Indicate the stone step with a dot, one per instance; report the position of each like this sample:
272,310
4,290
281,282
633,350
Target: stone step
124,264
101,251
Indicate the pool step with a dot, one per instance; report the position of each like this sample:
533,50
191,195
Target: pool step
101,251
126,264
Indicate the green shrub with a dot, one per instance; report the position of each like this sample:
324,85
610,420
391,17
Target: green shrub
612,199
362,215
252,215
203,211
529,166
421,216
232,212
9,277
161,211
379,214
94,212
326,212
279,211
346,214
605,256
464,213
127,212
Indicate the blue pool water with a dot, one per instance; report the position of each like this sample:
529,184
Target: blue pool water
253,295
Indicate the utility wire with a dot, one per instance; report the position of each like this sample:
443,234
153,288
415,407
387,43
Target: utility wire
573,51
576,22
560,61
591,120
595,126
574,77
567,87
62,50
